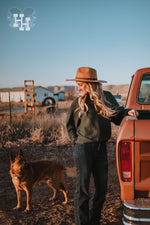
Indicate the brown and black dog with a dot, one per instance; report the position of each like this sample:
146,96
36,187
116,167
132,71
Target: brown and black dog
26,175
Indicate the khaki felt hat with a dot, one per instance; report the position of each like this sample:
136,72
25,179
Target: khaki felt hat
86,74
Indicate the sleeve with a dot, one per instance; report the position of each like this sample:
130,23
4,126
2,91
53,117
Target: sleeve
120,111
70,124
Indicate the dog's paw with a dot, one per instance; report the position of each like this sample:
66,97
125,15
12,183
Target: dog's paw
17,208
65,202
52,198
27,210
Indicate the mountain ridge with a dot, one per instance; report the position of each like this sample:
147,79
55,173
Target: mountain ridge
114,89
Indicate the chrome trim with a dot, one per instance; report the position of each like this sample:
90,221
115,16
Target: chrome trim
136,219
125,223
133,207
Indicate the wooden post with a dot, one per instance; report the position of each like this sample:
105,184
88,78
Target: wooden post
10,110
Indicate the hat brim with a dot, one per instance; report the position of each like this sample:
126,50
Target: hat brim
89,81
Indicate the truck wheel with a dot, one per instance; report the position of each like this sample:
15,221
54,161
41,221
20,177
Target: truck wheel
48,101
50,104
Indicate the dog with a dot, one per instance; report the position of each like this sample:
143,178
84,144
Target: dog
26,175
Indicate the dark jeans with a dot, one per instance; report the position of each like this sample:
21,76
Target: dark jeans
90,158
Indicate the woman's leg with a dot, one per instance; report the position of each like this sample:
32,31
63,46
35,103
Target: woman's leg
84,161
100,174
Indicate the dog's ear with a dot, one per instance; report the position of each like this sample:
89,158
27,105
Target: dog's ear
20,153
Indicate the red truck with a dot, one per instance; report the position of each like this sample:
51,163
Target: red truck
133,152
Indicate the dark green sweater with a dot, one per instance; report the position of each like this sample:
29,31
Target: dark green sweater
86,127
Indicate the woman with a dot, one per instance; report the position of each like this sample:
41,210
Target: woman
89,128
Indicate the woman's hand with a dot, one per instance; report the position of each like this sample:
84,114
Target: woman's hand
133,112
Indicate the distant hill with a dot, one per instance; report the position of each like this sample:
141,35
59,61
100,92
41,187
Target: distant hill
53,89
118,89
64,88
114,89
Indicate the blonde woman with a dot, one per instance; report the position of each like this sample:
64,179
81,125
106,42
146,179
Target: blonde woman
89,128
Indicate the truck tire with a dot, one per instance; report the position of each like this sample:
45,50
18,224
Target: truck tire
50,104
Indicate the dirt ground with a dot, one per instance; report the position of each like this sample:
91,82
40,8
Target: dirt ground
53,212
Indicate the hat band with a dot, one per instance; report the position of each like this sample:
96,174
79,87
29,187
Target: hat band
84,78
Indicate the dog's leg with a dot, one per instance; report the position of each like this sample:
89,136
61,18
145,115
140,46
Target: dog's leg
54,190
28,191
19,197
62,188
65,192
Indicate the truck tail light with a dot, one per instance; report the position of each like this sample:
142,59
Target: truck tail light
126,161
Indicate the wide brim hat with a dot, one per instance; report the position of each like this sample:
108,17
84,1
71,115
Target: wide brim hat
86,74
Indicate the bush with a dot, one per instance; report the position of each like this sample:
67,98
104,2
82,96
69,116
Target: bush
41,128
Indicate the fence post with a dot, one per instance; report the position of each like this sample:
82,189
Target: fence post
10,110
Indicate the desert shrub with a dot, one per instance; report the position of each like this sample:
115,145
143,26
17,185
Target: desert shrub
37,135
41,128
47,128
13,133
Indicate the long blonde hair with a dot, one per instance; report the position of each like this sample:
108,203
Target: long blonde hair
96,95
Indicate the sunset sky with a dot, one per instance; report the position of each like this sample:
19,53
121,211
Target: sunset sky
112,36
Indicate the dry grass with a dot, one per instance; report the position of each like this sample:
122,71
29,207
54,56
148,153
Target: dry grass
39,129
47,128
42,128
5,105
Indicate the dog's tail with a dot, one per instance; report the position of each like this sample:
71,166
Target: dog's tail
71,172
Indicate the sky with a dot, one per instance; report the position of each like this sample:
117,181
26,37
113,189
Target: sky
112,36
